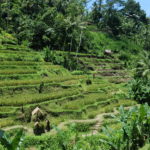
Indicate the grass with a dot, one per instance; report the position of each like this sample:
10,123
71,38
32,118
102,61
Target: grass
80,111
64,96
76,103
18,71
87,100
33,82
20,58
6,122
7,51
32,89
19,77
7,67
36,98
109,122
146,147
28,63
109,108
83,127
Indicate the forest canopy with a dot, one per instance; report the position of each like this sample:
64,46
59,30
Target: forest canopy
65,25
74,77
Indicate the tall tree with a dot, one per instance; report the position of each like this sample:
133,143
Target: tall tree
97,11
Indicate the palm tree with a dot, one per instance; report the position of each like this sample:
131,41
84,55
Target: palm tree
69,27
81,27
143,67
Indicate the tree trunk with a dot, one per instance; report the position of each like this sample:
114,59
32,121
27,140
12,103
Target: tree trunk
71,43
79,45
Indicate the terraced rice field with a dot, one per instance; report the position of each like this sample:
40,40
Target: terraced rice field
26,81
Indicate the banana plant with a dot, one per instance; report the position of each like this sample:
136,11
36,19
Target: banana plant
13,144
134,129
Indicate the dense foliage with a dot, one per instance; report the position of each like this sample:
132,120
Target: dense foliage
133,132
13,144
64,25
119,16
64,59
67,33
140,86
55,23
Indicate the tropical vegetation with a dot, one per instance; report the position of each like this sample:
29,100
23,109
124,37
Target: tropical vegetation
74,77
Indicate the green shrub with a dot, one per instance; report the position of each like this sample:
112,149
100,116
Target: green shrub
11,144
83,127
28,114
140,86
88,81
38,128
124,56
1,147
41,87
91,116
64,59
146,147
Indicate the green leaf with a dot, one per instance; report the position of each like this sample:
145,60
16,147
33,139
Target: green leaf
1,133
17,141
4,141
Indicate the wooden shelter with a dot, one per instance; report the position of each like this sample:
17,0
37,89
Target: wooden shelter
37,114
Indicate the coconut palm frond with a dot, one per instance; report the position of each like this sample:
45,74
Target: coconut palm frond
143,67
146,72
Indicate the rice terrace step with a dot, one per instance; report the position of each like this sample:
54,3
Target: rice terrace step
74,75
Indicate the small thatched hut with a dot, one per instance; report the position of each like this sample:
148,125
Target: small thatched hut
37,114
38,128
108,52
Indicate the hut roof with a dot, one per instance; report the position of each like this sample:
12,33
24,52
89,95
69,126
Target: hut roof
108,51
36,123
36,111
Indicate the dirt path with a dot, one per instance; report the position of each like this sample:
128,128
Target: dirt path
28,129
94,130
98,119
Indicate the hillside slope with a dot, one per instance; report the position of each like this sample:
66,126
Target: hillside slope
27,81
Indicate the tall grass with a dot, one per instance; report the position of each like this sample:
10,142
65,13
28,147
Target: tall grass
20,63
17,71
20,58
6,122
33,82
36,98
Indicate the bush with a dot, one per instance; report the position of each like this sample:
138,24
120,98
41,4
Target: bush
91,116
124,56
83,127
88,81
38,128
41,87
28,114
64,59
2,148
140,86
